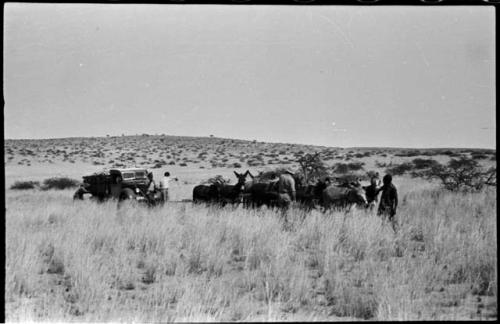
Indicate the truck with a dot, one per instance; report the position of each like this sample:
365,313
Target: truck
120,184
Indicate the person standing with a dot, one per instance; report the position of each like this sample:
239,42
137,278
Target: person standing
286,188
372,193
151,188
164,186
377,179
286,195
388,200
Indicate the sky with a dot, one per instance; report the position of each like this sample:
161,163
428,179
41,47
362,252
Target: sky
348,76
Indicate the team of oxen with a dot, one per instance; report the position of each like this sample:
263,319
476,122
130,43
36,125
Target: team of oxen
281,191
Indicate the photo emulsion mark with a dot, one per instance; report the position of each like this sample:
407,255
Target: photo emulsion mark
249,163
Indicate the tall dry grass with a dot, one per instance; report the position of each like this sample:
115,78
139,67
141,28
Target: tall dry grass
86,261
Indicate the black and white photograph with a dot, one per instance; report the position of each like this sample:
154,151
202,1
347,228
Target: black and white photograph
249,162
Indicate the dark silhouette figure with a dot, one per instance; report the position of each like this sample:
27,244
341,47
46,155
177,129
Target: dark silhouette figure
388,200
371,192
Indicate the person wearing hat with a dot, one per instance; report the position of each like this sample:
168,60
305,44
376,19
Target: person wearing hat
286,188
151,187
388,200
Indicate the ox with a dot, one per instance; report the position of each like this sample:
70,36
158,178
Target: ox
278,192
233,194
342,197
206,193
262,193
311,195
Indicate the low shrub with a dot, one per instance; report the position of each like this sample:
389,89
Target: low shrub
420,164
254,163
409,153
450,153
218,180
25,185
347,167
479,156
400,169
59,183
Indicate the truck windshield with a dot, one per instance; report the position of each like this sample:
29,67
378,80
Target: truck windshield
128,175
140,174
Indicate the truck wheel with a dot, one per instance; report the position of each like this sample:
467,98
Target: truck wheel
127,194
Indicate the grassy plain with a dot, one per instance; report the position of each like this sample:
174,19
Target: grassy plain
83,261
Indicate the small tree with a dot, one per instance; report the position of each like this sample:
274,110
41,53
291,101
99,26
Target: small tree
312,167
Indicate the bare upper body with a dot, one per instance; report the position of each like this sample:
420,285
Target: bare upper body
286,185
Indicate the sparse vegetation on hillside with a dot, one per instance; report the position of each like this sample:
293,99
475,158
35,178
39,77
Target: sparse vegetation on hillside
158,151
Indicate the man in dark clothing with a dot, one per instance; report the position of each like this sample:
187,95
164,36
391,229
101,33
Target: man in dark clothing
388,200
371,192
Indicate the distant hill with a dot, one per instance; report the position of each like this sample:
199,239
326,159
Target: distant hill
202,152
